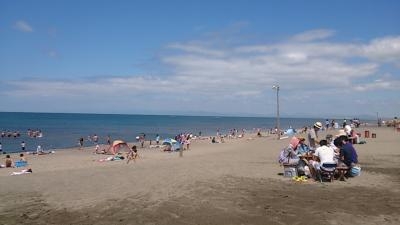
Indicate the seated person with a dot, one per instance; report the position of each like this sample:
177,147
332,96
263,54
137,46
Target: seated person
22,157
302,148
98,151
323,154
132,154
348,155
167,148
9,162
351,134
21,162
289,155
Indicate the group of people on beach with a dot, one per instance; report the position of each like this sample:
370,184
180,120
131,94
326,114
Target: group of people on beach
37,133
93,139
9,162
336,151
21,162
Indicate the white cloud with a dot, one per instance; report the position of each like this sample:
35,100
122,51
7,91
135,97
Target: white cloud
313,35
385,49
191,48
23,26
221,78
305,64
379,85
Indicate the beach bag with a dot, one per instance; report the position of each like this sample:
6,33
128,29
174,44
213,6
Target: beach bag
355,171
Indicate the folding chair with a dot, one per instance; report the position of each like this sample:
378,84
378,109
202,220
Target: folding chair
327,171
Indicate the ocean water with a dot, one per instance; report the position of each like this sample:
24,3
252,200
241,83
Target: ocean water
63,130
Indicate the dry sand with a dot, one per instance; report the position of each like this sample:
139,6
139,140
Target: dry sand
237,182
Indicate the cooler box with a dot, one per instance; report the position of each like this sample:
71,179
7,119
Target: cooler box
289,171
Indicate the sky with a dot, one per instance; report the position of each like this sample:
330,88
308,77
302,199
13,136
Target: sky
331,59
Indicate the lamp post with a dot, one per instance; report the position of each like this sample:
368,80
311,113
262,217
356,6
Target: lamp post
276,87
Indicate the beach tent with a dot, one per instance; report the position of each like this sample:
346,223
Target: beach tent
174,143
117,146
290,132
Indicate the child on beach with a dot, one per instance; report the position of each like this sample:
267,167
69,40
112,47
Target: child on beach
96,149
132,154
9,162
22,157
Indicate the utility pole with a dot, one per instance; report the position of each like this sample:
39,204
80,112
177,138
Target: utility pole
276,87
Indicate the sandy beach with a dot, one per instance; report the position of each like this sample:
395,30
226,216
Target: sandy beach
236,182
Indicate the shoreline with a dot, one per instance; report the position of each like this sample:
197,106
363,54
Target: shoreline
64,130
266,132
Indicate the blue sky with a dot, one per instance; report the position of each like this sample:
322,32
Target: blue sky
330,58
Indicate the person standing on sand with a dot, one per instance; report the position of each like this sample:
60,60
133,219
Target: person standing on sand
95,139
108,140
96,149
327,124
142,140
39,149
158,139
312,135
23,146
81,143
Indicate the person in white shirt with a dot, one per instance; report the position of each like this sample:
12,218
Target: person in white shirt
39,149
323,154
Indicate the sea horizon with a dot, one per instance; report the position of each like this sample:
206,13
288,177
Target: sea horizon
215,114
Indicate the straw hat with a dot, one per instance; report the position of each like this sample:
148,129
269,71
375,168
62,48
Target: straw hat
318,125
